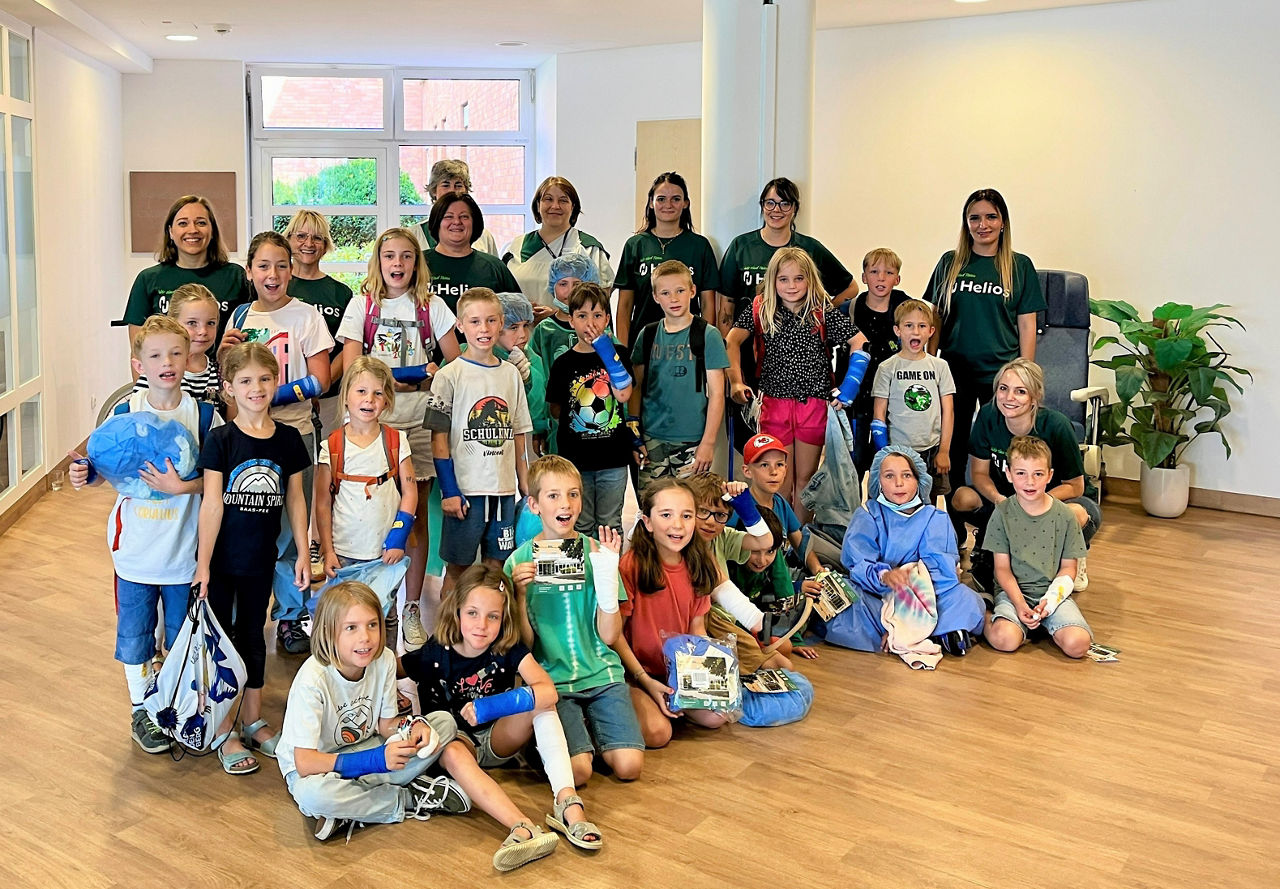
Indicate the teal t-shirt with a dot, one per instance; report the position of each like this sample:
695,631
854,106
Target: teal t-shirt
452,276
644,252
980,329
990,437
745,262
330,297
153,287
561,603
1036,545
673,409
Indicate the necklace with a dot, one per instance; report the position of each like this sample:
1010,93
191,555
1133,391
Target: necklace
663,243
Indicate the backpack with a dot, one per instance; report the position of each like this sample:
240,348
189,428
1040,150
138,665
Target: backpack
205,424
697,345
390,447
373,317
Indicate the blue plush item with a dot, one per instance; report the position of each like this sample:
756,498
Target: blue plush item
725,691
122,446
760,710
528,523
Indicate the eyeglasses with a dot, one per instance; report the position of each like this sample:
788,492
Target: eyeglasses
784,206
720,517
306,238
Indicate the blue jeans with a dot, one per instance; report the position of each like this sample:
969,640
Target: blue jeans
603,492
611,714
290,604
136,617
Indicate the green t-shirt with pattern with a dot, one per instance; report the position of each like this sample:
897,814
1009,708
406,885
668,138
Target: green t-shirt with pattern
1036,545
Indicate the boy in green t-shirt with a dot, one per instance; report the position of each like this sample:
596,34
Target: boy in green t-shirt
679,365
567,593
1036,542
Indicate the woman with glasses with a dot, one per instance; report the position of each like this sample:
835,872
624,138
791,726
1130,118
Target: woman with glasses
556,208
309,236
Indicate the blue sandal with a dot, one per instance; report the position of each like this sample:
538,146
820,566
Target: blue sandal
231,762
267,747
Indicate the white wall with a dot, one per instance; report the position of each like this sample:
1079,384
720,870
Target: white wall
79,238
546,83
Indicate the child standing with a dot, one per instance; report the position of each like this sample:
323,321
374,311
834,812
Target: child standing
678,396
153,549
365,492
196,308
477,408
567,589
252,473
1036,542
793,329
470,666
913,394
397,321
669,574
587,392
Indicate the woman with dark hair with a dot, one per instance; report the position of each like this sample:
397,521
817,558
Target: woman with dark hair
456,224
987,297
190,252
447,177
665,233
556,208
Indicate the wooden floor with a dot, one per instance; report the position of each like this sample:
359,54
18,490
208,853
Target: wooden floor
1162,770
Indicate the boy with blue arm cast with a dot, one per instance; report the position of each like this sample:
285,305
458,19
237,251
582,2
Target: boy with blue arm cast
1037,544
478,404
913,394
679,363
153,542
764,463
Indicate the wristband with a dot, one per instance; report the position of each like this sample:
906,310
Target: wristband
734,601
879,434
398,536
604,575
410,375
448,478
362,762
298,390
848,391
618,375
745,506
508,703
93,473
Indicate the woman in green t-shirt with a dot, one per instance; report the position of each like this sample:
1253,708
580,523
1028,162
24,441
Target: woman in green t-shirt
987,297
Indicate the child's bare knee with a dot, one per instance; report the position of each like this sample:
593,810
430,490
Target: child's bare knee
581,769
626,764
1002,635
1073,641
656,732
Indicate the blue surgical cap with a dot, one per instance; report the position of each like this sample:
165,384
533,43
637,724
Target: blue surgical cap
515,308
573,265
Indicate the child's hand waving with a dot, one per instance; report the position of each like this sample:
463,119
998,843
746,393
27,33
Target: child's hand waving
610,540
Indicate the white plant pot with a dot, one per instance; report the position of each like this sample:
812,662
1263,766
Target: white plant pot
1165,491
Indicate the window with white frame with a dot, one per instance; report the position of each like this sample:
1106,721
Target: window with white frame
358,144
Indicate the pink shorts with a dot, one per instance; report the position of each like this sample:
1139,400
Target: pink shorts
787,419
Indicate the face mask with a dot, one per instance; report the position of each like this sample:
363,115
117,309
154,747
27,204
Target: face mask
564,307
898,507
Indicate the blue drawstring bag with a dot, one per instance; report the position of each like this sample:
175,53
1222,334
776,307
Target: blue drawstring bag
762,709
122,446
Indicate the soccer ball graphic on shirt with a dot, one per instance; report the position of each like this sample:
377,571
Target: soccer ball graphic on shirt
918,398
591,407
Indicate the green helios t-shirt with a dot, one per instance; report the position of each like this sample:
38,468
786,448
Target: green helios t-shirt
644,252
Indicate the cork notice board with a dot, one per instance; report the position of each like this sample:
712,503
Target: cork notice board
151,195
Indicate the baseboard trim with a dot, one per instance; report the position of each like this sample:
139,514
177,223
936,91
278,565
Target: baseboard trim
1226,501
24,503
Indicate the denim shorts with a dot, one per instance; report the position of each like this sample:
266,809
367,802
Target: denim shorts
481,740
490,526
1095,516
1065,615
136,617
612,719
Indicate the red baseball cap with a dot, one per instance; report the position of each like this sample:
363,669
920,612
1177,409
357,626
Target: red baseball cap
758,444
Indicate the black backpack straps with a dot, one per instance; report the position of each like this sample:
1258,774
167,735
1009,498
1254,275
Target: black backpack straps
648,335
698,345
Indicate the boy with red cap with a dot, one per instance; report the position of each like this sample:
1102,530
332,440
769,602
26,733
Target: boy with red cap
764,464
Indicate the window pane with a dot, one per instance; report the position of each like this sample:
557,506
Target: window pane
410,220
486,105
6,322
504,228
353,236
342,103
308,181
351,279
497,171
19,67
6,474
24,228
32,455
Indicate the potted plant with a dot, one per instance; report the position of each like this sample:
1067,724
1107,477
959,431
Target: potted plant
1172,381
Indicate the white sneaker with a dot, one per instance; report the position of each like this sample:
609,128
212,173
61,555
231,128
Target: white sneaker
1082,577
411,626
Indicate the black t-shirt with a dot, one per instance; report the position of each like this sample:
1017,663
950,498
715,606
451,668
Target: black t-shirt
448,680
255,476
592,432
882,342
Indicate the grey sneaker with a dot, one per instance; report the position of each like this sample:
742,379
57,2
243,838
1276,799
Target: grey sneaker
293,639
411,624
432,795
147,735
327,826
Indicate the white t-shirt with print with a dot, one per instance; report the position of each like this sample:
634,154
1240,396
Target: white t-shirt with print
154,541
360,523
398,346
294,332
326,711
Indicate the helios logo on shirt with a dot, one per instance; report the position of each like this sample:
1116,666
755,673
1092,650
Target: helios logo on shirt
489,422
971,286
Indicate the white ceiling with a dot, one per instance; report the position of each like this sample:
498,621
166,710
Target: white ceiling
461,32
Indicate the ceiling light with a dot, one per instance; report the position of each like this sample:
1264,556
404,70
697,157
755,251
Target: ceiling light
180,38
511,43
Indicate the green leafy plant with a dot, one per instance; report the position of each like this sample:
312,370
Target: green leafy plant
1170,371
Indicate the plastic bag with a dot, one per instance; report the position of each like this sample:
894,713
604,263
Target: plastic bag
703,672
121,447
383,579
198,684
834,493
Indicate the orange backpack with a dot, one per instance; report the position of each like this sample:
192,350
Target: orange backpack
390,446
